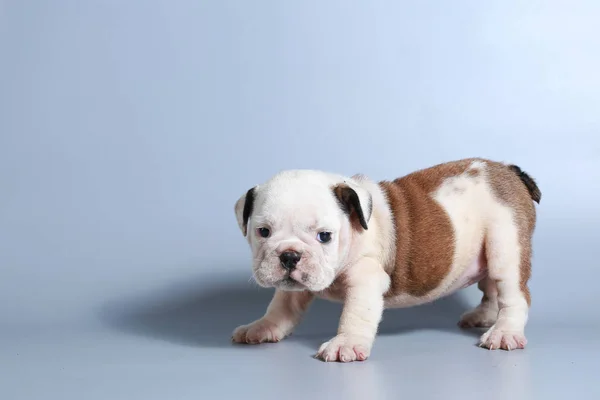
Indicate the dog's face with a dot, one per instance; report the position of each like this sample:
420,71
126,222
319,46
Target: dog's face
300,225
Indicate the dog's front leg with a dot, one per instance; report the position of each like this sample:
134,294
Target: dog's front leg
363,307
283,314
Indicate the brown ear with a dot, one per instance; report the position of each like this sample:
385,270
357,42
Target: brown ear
350,202
243,209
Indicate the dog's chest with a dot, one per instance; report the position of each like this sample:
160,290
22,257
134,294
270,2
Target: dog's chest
336,292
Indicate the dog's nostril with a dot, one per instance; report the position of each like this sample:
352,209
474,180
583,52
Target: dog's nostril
289,259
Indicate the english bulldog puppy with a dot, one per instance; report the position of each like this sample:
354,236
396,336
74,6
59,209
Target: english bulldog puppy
376,245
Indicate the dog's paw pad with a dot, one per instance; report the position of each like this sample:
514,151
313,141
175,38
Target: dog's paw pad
345,348
258,332
495,339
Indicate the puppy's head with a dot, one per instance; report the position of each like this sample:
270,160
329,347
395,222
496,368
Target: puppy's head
300,225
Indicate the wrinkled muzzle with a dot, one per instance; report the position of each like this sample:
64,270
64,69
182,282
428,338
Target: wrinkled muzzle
290,269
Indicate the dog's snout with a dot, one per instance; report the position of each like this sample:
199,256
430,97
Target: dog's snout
289,259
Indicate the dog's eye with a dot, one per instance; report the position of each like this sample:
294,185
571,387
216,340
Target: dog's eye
324,237
264,232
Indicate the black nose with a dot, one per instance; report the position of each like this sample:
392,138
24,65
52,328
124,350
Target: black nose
289,259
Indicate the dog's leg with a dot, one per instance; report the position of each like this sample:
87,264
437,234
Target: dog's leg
509,262
486,313
283,314
363,307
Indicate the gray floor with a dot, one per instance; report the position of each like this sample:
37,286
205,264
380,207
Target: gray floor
168,337
180,350
129,128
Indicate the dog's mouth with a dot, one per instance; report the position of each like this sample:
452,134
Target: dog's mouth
290,282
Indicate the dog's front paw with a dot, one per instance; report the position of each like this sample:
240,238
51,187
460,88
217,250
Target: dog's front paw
497,338
260,331
345,348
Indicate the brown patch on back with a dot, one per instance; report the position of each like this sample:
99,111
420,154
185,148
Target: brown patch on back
424,232
511,190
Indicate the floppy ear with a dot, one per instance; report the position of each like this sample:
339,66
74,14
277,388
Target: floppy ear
356,202
243,209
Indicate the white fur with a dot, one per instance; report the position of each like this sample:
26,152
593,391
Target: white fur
282,316
504,258
477,215
297,204
486,313
467,200
363,308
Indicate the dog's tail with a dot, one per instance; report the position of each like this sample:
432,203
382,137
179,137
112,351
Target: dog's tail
529,182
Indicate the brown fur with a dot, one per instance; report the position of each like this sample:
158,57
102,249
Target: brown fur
529,182
424,233
512,191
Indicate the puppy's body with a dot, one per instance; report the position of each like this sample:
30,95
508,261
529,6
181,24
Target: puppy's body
401,243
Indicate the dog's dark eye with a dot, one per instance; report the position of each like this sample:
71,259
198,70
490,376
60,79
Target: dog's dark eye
264,232
324,237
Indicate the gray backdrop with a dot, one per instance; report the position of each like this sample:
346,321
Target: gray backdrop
129,128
